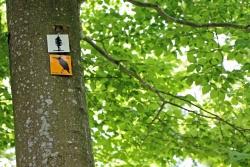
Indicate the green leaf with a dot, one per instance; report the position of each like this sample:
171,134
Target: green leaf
214,94
191,68
190,98
191,58
206,89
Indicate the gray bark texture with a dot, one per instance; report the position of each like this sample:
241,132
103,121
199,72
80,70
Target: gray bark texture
51,120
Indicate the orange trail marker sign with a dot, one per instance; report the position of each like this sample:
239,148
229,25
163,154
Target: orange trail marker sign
60,64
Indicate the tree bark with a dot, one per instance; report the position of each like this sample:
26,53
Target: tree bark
51,120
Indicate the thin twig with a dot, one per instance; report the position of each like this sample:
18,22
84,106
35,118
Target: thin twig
158,113
167,17
153,120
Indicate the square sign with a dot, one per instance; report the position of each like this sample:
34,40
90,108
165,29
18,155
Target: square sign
60,64
58,43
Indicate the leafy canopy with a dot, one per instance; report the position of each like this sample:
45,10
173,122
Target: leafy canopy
179,83
164,79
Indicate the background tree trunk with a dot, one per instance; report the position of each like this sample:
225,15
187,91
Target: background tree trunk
51,121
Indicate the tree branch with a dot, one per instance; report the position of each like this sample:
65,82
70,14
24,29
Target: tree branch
158,113
158,92
167,17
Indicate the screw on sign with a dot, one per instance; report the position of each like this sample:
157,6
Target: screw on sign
60,64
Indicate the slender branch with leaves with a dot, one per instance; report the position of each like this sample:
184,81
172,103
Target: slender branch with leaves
182,21
159,93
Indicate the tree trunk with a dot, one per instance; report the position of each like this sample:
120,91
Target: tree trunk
51,121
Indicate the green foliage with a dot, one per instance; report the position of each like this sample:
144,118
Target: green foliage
131,126
6,116
174,58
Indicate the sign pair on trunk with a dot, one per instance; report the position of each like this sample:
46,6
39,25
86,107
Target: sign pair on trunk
58,49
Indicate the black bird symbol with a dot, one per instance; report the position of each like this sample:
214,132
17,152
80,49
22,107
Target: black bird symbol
63,63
